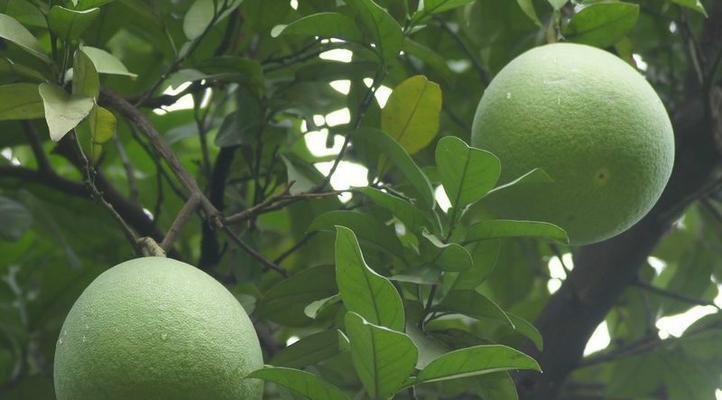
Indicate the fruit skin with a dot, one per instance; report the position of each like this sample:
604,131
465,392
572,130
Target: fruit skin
154,328
593,123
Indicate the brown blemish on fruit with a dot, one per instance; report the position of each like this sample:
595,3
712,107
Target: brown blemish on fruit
601,177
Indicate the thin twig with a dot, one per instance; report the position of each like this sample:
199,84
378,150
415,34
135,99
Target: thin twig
189,208
295,247
37,147
643,345
362,108
180,59
128,166
98,195
674,295
483,74
277,202
267,264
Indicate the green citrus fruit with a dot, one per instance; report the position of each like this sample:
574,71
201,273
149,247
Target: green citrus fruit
156,329
593,123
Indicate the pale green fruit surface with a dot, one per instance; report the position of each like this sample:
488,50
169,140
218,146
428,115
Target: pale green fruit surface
593,123
156,329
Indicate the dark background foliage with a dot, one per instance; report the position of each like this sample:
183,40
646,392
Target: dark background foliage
71,208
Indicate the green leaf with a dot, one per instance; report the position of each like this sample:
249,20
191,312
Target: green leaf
385,31
430,57
308,351
198,17
412,217
528,7
537,175
526,328
86,81
20,101
558,4
15,219
466,173
12,31
323,25
304,175
243,125
430,7
384,144
411,114
363,290
106,63
450,257
477,360
85,4
473,304
695,5
383,358
485,255
365,226
9,68
301,382
202,13
103,125
504,228
497,386
602,24
63,111
70,24
285,301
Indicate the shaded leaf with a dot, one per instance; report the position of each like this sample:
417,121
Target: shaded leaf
504,228
70,24
602,24
473,304
485,255
12,31
106,63
466,173
411,114
85,78
285,301
526,328
15,219
450,257
301,382
102,125
537,175
397,156
63,111
366,227
20,101
383,358
528,7
412,217
363,290
308,351
323,25
476,360
695,5
384,29
430,7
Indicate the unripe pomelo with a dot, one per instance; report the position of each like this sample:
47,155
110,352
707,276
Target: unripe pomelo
154,328
593,123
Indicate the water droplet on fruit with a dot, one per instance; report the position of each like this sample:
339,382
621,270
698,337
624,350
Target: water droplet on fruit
508,95
85,339
164,336
60,341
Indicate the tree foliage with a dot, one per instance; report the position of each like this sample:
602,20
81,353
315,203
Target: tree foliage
225,133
